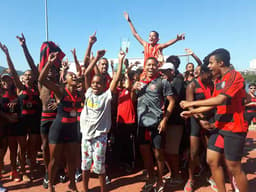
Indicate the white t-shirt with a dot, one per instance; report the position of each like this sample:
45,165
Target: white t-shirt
95,118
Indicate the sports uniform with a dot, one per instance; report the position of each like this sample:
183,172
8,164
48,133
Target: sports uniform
30,106
64,127
200,93
229,117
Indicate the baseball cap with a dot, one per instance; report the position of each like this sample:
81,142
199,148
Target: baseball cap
167,65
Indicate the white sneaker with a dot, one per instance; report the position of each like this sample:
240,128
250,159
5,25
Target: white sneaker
234,184
3,189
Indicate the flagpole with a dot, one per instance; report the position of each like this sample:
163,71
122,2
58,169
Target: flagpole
46,21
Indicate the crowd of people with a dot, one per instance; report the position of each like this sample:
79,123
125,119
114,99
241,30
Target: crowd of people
155,112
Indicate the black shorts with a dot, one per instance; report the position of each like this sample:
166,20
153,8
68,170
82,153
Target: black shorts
249,117
31,123
150,135
14,129
61,133
195,128
45,127
229,143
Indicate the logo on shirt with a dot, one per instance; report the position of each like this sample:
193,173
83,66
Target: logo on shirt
92,104
223,84
152,87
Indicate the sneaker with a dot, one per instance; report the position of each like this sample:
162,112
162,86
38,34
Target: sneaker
234,185
15,176
107,180
189,186
2,189
213,184
78,176
62,178
45,181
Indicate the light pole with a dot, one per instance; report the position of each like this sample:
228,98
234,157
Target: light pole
46,21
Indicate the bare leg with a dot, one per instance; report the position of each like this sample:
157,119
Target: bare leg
22,153
70,153
102,183
160,165
13,145
213,160
55,153
234,167
86,177
146,154
45,149
193,161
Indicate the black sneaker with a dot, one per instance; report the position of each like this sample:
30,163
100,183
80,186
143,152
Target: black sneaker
45,181
78,176
62,178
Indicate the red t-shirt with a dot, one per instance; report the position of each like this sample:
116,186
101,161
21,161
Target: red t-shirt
125,108
150,51
230,115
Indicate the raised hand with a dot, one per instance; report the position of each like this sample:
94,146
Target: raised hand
52,57
93,38
21,39
126,16
121,55
112,64
189,51
64,65
100,53
73,51
4,48
181,36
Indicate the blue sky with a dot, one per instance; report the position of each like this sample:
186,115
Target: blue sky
208,24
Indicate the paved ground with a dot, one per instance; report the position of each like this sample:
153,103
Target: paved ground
134,182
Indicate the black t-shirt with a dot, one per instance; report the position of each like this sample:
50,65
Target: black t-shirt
179,93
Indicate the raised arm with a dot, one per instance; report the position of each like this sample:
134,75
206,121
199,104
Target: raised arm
134,32
78,68
168,43
63,71
117,76
92,40
190,52
87,74
29,58
42,79
14,73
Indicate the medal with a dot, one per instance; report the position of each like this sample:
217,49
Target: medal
72,113
29,105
